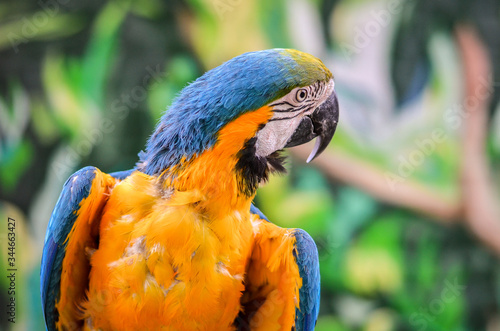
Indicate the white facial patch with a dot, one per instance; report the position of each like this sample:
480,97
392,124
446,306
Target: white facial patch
288,113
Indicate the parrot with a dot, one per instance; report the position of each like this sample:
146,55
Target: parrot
176,243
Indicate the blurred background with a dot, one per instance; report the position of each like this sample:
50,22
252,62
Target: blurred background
403,205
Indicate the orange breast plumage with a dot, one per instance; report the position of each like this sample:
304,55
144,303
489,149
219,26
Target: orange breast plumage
163,262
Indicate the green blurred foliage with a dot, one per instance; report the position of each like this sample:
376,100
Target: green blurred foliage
85,83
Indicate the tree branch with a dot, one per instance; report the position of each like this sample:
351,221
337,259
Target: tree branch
407,194
478,195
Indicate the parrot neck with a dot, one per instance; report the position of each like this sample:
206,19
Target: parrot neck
229,171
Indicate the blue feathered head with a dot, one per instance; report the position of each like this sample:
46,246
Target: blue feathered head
245,83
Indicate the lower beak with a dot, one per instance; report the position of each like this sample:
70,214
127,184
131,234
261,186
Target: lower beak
321,124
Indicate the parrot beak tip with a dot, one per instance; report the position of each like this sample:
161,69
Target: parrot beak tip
314,152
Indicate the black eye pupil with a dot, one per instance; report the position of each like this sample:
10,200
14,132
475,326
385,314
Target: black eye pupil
302,95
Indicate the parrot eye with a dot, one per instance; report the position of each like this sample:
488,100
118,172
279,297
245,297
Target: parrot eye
301,95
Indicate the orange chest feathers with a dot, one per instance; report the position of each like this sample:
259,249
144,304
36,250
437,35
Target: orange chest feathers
164,260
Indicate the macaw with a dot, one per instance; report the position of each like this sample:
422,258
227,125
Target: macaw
176,243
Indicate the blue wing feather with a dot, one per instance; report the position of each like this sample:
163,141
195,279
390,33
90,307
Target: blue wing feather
121,175
308,262
76,188
256,211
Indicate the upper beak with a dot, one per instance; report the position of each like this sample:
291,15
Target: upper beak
321,124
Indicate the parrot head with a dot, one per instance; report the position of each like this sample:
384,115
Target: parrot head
291,91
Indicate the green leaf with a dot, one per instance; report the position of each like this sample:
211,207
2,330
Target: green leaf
100,51
15,160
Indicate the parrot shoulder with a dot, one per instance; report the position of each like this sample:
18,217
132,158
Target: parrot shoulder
282,280
72,235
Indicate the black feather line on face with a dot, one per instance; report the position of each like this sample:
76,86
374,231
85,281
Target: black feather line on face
254,169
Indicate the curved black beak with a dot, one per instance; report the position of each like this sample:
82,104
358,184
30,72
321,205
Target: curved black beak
321,124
